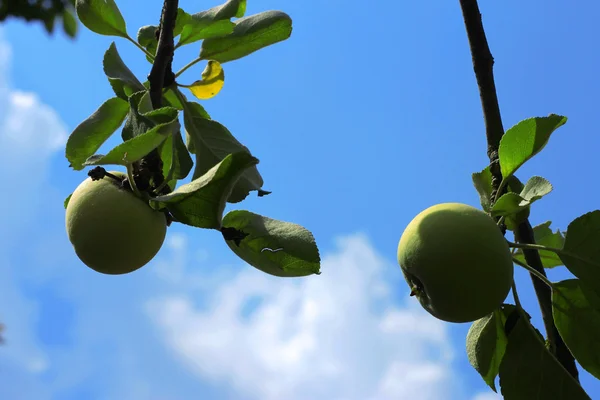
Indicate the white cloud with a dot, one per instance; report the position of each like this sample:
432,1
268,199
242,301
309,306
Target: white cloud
29,127
333,336
30,132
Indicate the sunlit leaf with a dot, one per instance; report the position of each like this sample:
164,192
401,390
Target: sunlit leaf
102,17
182,20
249,35
66,202
483,184
509,204
525,140
536,188
211,83
212,22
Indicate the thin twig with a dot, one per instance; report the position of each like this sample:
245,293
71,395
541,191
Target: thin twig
529,268
483,64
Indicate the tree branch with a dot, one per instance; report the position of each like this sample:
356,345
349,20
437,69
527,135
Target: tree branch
524,234
483,64
161,75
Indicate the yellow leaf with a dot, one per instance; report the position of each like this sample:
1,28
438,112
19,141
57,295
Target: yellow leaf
213,78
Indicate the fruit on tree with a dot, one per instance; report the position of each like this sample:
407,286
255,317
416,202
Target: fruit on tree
456,262
112,230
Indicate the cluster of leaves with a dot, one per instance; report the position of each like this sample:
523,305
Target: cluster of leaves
224,170
505,343
46,12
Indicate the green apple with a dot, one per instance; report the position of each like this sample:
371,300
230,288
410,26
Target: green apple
456,262
112,230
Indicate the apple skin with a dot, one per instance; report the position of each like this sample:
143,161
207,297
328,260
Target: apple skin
113,231
456,261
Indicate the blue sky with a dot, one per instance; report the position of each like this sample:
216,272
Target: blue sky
362,119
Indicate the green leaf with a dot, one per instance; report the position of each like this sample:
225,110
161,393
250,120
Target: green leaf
201,202
514,184
578,322
483,184
529,371
512,203
486,343
171,99
228,10
137,147
275,247
201,30
544,236
581,252
516,207
509,204
136,123
145,103
49,23
249,35
146,37
122,80
141,116
194,109
212,142
175,157
69,23
536,188
66,202
89,135
211,23
102,17
525,140
182,20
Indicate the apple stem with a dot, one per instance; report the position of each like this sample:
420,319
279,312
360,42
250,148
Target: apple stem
116,178
98,173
